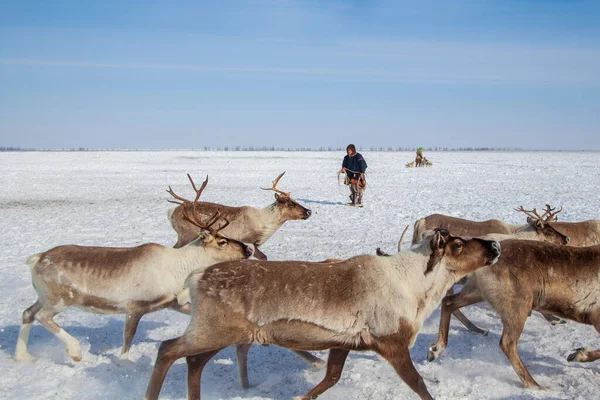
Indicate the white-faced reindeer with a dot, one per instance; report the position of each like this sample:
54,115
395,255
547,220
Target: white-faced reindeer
364,303
560,280
119,280
538,227
247,224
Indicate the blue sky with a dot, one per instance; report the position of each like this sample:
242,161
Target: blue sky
189,74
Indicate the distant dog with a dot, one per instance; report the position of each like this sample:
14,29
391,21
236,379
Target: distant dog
410,164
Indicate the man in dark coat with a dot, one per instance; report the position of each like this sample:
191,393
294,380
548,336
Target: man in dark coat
354,166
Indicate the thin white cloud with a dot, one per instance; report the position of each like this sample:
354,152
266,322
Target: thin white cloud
426,74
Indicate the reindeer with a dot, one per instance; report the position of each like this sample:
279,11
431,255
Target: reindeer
119,280
367,302
248,224
538,227
546,277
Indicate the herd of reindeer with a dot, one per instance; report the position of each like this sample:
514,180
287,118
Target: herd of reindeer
217,274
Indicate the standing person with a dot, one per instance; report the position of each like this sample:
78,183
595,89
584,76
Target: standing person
354,166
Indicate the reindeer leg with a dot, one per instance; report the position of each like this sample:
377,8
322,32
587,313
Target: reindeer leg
464,320
196,365
45,317
554,320
132,319
513,323
468,324
394,349
335,365
586,355
241,354
168,352
310,359
21,353
469,295
200,337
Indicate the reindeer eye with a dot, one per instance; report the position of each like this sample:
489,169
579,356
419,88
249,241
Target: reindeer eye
459,245
222,242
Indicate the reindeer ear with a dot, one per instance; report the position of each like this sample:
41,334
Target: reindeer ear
440,238
529,220
277,196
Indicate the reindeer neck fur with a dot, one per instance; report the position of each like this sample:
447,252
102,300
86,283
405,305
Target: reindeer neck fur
429,288
187,259
271,219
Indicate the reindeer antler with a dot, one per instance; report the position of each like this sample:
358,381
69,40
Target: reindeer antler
274,187
401,237
530,213
193,218
551,215
198,192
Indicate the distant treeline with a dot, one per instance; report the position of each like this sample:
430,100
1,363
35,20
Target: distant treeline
273,148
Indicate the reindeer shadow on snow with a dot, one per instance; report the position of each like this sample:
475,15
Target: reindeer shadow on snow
324,202
101,340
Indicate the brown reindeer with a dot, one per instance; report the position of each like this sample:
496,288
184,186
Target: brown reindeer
247,224
538,227
364,303
119,280
546,277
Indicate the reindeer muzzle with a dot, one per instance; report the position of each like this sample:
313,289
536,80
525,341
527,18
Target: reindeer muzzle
255,251
494,253
307,213
249,250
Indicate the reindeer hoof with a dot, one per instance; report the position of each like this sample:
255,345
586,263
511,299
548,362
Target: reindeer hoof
24,357
536,386
579,355
435,351
75,355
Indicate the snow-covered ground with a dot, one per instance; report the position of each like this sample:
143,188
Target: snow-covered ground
119,199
